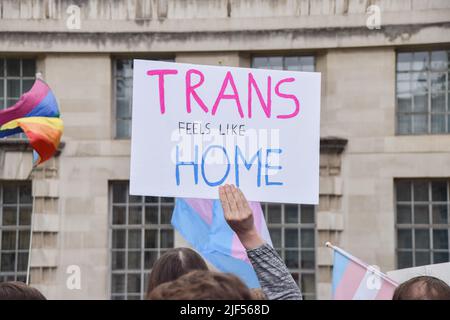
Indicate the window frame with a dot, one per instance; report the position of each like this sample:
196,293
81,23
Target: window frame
428,70
21,78
412,226
143,227
284,56
299,226
17,228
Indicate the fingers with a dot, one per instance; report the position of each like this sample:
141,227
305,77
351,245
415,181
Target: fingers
237,198
234,203
231,201
242,199
224,201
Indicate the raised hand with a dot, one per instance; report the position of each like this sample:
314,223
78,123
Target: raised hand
239,216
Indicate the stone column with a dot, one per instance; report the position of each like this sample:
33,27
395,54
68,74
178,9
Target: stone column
45,226
329,216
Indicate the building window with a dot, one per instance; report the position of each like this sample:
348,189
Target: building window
140,233
422,222
123,79
292,229
123,84
292,63
16,77
423,92
15,225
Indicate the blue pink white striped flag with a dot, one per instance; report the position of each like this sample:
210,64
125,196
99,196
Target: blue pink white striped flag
355,280
202,223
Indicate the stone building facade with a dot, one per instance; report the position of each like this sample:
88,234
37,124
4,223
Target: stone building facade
385,124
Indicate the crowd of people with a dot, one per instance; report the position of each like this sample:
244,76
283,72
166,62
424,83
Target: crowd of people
182,274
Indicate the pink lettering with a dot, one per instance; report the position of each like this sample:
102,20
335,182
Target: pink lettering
287,96
266,106
222,95
161,74
190,90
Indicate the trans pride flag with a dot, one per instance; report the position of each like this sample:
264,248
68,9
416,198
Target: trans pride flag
202,223
355,280
37,115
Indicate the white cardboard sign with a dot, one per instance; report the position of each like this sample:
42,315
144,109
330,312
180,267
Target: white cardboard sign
195,128
440,271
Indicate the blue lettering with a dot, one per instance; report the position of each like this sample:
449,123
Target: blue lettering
238,154
189,163
219,182
268,167
238,157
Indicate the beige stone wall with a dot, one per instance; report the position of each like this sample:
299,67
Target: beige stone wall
356,209
218,25
359,105
83,85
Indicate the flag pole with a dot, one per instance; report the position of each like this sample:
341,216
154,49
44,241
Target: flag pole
31,232
38,76
31,242
361,263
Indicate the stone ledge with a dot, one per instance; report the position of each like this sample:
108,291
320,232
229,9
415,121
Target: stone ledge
236,40
23,145
388,30
332,145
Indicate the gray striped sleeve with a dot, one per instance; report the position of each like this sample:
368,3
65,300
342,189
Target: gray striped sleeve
273,275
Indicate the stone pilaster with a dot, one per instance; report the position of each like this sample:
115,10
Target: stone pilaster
44,247
329,217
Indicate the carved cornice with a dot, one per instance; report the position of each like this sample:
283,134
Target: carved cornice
332,145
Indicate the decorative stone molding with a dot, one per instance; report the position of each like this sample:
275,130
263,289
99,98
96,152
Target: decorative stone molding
46,222
217,25
176,9
329,219
332,145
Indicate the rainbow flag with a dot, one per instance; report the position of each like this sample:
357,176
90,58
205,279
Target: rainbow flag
37,115
355,280
202,223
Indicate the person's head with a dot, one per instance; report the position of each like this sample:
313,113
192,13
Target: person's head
173,264
258,294
19,291
422,288
203,285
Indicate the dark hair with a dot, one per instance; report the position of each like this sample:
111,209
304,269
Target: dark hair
173,264
422,288
19,291
203,285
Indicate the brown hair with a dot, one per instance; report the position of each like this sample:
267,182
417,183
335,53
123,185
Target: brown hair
258,294
19,291
173,264
203,285
422,288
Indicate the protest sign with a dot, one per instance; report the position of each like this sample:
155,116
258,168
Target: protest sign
439,270
197,127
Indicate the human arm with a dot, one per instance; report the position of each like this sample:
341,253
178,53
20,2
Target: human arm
273,275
